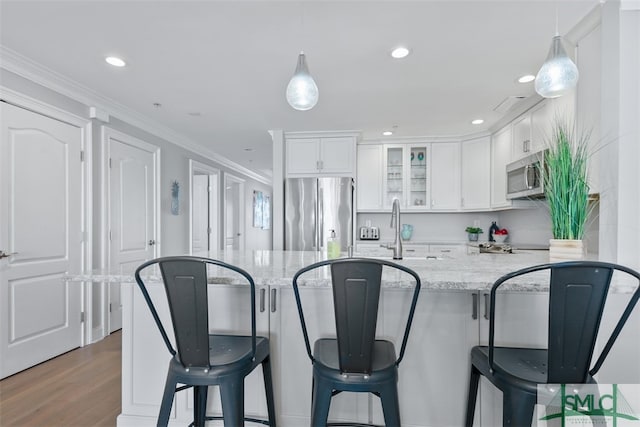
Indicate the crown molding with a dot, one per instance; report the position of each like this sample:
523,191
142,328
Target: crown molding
31,70
322,134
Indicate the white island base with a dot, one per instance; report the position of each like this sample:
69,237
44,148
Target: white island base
450,318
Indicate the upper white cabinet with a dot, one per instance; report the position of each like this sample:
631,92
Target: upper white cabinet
541,125
405,175
522,137
369,177
320,156
476,173
445,175
531,130
500,157
422,176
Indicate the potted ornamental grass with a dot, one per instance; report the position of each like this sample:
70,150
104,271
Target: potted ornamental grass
566,189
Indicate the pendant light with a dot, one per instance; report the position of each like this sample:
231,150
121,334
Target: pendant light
302,91
558,75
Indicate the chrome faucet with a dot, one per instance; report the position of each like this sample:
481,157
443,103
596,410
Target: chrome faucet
395,220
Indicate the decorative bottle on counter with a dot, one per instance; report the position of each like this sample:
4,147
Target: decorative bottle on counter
333,245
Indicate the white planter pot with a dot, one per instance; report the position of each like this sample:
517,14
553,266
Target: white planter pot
566,250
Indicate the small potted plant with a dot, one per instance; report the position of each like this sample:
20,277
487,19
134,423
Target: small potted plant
473,233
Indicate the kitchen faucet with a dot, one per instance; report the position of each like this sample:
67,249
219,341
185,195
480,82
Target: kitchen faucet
395,219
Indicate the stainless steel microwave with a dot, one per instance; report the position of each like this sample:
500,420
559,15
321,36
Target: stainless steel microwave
524,177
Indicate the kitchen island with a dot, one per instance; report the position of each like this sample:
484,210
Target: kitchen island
451,317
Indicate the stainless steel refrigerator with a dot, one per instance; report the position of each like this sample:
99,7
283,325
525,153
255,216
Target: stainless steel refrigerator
313,207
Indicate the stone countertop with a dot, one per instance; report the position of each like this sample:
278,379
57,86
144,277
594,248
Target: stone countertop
451,271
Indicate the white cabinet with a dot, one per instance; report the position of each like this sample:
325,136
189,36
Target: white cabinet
434,374
369,177
320,156
531,130
541,126
476,173
500,157
521,137
445,176
406,175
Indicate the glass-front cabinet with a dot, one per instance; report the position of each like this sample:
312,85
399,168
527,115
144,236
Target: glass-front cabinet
406,175
418,177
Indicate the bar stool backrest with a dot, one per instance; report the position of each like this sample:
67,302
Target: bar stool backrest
356,293
186,286
577,295
576,301
356,284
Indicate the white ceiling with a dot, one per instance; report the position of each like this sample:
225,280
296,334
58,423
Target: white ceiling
230,62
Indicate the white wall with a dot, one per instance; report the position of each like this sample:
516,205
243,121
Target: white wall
619,172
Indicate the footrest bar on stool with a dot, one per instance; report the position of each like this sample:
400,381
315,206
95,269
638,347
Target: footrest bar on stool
249,419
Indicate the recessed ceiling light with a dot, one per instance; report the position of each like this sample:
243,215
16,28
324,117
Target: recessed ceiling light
526,78
477,122
248,149
400,52
387,133
115,61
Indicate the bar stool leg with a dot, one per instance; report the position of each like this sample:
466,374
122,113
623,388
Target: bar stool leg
232,396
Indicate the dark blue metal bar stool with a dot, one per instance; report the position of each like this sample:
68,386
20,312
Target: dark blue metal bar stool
203,359
355,360
577,295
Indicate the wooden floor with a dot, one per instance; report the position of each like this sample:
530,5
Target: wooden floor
79,388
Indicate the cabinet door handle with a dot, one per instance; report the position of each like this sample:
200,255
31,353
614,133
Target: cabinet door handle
262,295
273,300
474,305
486,306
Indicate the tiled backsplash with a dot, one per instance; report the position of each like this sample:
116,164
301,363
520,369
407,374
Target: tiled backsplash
526,226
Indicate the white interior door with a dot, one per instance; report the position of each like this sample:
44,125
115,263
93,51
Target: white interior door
132,211
200,214
234,214
204,208
40,227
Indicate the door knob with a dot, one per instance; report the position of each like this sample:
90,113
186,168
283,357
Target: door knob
152,242
7,255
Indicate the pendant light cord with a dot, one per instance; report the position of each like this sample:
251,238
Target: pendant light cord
557,32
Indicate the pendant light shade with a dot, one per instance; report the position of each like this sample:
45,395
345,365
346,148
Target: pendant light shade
302,91
558,75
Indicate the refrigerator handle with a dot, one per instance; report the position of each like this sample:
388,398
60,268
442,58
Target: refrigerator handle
320,231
